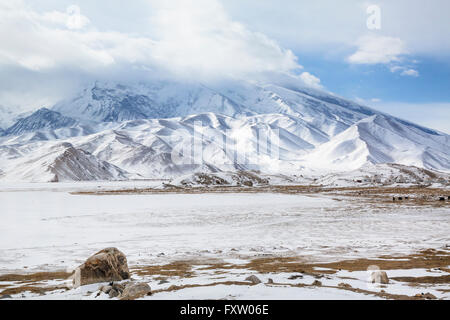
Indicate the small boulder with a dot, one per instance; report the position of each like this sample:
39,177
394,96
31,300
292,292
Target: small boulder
106,289
105,266
5,296
379,277
270,281
135,290
113,293
253,279
317,283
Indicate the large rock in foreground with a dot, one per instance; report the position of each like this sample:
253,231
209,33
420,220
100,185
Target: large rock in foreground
107,265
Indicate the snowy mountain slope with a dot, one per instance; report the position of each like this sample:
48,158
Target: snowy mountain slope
267,143
111,102
151,130
146,146
382,139
55,162
41,119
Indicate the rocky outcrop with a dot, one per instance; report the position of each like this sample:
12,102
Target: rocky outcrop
107,265
253,279
126,291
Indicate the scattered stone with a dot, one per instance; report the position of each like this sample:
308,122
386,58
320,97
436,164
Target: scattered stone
427,296
106,289
344,285
163,282
113,293
107,265
248,183
270,281
135,290
295,277
253,279
379,277
317,283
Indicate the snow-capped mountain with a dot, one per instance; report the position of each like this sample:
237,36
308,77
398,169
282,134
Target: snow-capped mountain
155,130
42,119
112,102
383,139
57,162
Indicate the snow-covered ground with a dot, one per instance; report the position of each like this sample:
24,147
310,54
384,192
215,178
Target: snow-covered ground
46,228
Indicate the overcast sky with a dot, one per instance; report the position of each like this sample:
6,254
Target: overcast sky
399,63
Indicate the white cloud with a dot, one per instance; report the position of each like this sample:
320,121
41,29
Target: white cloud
376,49
194,37
405,71
410,73
311,80
328,28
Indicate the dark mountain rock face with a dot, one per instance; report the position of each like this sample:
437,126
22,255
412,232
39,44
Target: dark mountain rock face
41,119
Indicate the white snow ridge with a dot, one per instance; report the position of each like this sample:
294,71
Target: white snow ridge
162,129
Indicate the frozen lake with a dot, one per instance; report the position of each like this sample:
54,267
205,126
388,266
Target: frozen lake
45,229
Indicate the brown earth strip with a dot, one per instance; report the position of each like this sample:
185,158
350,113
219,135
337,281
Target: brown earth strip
425,280
35,277
32,289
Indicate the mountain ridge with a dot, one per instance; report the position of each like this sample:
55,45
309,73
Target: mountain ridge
137,128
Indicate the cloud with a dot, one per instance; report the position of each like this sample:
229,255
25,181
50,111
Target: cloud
405,71
410,73
376,49
311,80
323,27
193,37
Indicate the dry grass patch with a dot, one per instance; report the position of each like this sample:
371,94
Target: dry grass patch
35,277
175,269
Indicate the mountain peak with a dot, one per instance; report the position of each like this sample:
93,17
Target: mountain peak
41,119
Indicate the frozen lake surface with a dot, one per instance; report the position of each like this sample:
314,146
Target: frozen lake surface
46,228
50,229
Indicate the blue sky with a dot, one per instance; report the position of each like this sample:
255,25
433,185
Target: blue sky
400,64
